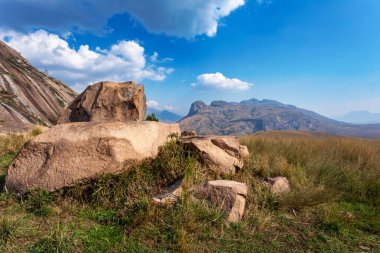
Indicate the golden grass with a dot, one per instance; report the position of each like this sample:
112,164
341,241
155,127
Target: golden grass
11,143
319,166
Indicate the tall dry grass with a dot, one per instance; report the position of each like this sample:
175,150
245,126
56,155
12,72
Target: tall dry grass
11,143
320,169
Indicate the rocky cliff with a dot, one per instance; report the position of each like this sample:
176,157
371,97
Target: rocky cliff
27,95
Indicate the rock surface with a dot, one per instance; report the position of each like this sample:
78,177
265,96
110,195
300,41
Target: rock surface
244,151
219,153
107,102
225,194
69,153
188,133
27,95
172,193
279,185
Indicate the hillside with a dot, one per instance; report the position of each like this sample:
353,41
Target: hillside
333,205
27,95
250,116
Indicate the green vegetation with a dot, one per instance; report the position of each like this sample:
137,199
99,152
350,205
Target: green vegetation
61,102
152,117
333,206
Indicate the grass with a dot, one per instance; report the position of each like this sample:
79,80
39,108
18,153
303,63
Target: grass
333,205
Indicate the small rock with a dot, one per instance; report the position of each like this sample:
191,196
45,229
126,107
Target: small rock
364,247
172,193
188,133
279,185
226,194
221,154
244,151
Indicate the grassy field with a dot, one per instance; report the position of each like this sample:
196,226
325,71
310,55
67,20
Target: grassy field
333,206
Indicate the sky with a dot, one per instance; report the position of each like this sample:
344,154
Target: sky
321,55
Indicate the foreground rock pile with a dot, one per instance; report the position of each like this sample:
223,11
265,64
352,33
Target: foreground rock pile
103,130
223,155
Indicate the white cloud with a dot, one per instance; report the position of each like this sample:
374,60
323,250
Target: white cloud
184,18
171,108
123,61
218,80
154,58
153,104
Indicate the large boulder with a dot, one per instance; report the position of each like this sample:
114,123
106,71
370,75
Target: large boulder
222,154
69,153
228,195
106,102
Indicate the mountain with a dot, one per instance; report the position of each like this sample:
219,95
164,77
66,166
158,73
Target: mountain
165,115
360,117
27,95
250,116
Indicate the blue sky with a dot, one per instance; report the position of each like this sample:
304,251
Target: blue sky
322,55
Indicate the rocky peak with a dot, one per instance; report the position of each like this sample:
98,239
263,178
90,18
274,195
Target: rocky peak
220,103
196,107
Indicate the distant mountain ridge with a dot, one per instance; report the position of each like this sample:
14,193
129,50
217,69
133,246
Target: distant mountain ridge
360,117
165,115
253,115
27,95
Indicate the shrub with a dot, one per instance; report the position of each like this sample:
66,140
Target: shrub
37,130
152,117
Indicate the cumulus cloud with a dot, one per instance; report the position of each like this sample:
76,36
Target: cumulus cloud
154,58
123,61
185,18
171,108
153,104
219,81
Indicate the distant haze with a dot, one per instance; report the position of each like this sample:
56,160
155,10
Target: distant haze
360,117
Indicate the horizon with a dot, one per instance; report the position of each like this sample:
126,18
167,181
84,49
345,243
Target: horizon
342,118
317,55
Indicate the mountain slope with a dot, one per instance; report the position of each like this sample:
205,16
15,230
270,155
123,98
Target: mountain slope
165,115
28,96
253,115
